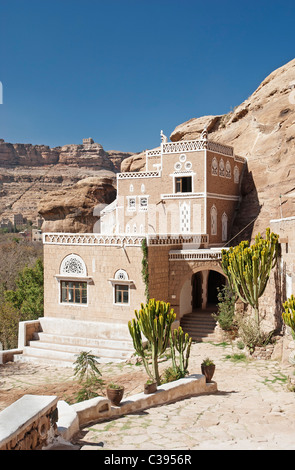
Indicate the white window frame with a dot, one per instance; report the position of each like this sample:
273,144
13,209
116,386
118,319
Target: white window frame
121,278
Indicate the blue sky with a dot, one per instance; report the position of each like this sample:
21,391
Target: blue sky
119,71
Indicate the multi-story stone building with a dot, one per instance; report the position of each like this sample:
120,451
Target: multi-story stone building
181,208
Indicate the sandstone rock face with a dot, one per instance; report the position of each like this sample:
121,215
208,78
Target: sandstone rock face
262,129
72,209
29,173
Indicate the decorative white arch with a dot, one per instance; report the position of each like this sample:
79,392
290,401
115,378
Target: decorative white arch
73,265
213,215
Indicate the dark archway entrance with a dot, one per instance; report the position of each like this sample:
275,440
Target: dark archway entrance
205,286
197,281
215,281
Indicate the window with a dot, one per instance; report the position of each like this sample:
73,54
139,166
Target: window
74,292
214,167
236,175
121,294
221,168
143,203
224,220
213,214
228,170
183,184
131,203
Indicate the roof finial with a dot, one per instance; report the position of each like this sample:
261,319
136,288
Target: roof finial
163,138
204,134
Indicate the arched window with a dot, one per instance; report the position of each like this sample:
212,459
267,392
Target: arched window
221,167
121,286
224,221
214,167
213,214
73,265
236,174
72,282
228,170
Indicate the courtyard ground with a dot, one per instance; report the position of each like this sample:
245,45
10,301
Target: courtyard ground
253,408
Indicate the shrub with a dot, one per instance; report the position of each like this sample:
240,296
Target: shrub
226,309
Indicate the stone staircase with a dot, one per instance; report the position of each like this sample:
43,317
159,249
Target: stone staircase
199,324
59,341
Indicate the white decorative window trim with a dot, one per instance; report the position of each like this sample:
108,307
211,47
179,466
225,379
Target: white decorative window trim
214,167
228,169
121,279
221,168
182,157
73,266
131,203
236,174
213,214
224,221
143,203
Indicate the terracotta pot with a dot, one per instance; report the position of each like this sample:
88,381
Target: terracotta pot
115,395
208,371
150,388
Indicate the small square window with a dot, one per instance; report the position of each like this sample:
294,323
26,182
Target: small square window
121,294
183,184
131,203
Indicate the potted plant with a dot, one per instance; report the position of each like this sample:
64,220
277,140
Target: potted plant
150,387
115,393
208,369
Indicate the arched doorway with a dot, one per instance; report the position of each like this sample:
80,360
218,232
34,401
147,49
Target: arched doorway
198,300
216,281
205,285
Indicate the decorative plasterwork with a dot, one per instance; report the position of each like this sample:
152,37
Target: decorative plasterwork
73,265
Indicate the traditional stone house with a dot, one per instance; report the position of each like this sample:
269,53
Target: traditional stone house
181,208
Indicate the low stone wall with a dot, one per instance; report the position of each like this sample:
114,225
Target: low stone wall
29,423
74,417
43,422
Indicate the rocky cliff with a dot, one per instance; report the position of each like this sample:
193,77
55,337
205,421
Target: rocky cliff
30,174
262,129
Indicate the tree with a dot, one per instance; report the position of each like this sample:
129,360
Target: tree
154,321
28,296
86,369
248,268
9,319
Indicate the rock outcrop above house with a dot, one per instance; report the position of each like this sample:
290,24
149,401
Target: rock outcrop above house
262,129
72,209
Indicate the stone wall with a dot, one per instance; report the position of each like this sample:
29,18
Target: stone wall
29,423
101,262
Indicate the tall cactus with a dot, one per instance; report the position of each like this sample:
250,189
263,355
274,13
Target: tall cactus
289,314
180,342
154,321
248,268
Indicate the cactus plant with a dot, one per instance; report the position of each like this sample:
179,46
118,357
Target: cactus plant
288,314
248,268
180,342
154,321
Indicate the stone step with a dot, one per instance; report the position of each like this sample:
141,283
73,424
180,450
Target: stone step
199,325
123,345
76,349
60,357
60,340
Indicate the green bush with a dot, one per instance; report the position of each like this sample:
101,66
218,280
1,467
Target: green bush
226,309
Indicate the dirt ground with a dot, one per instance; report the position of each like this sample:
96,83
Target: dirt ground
20,378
